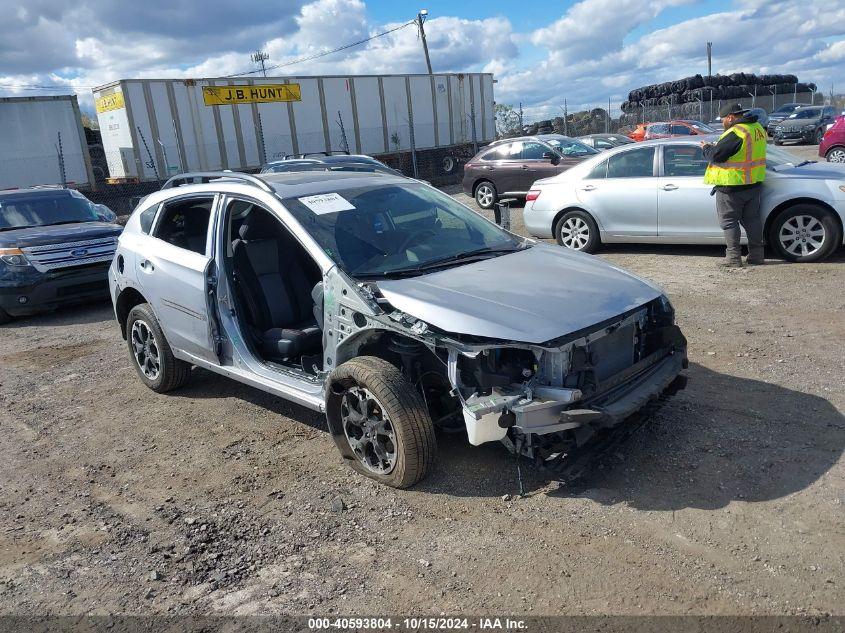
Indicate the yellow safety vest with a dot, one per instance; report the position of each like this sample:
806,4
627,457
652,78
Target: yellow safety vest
748,165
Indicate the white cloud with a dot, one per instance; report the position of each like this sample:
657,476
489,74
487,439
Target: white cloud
588,53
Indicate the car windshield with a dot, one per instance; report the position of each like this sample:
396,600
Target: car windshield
776,157
806,113
786,109
398,229
44,208
701,127
570,147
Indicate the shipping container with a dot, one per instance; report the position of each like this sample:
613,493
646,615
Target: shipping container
152,128
42,142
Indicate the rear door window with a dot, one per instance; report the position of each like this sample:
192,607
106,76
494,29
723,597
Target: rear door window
184,223
599,171
635,163
680,129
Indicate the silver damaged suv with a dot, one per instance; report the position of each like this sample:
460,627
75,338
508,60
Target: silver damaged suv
392,308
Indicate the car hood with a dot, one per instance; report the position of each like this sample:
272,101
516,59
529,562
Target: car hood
530,296
816,171
58,234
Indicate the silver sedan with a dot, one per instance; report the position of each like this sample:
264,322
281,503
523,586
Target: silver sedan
654,192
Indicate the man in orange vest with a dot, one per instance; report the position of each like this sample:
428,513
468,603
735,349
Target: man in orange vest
737,169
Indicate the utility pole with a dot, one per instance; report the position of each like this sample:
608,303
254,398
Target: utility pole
709,59
259,57
421,16
521,123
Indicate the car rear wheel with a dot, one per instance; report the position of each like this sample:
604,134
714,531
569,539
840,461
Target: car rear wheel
380,423
836,155
154,361
804,233
5,317
578,231
485,194
819,136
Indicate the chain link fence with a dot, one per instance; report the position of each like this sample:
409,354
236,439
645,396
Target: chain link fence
582,119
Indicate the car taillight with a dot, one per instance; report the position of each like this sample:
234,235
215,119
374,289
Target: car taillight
532,195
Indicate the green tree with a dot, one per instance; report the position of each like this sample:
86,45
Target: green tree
507,120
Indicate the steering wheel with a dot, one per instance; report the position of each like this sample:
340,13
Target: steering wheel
414,237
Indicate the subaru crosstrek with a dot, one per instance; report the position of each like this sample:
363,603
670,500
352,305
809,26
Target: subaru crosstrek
55,249
392,308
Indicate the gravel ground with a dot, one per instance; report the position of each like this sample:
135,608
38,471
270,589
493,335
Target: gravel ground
221,499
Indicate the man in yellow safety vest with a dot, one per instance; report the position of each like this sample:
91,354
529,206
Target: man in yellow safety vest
737,169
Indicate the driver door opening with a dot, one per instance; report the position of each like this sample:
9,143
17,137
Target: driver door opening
277,288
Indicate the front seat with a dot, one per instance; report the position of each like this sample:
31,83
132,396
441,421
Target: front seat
274,289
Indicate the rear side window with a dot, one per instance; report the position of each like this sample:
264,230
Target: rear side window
146,218
680,129
184,223
635,163
599,171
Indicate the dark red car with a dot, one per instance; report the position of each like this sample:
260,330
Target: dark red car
832,146
507,168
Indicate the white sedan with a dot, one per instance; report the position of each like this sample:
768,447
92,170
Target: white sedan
654,192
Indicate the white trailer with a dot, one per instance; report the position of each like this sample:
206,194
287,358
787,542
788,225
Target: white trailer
155,127
42,142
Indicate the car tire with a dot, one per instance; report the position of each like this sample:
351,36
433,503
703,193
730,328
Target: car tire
380,422
449,164
804,233
819,136
151,355
578,231
5,317
777,142
836,154
485,194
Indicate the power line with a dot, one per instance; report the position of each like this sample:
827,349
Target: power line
324,53
248,72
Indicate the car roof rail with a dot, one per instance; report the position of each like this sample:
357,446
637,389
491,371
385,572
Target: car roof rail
207,176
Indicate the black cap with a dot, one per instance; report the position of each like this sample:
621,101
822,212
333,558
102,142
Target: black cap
731,108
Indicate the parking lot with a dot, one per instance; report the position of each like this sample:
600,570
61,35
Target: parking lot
223,499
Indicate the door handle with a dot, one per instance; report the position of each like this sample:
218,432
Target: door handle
147,266
588,188
669,187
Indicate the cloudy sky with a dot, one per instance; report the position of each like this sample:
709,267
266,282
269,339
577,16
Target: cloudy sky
540,51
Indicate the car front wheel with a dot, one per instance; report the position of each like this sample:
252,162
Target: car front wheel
379,422
804,233
152,357
836,155
819,136
485,195
577,230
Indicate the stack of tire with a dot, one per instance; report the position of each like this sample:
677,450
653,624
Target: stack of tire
688,91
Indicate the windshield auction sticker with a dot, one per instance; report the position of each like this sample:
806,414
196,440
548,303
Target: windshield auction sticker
326,203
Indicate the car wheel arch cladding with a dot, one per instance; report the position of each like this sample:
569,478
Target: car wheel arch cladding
128,298
563,212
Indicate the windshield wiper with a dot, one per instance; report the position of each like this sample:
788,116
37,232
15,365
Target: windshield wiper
15,228
411,271
67,222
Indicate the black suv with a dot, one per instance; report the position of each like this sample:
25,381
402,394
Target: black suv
806,124
55,249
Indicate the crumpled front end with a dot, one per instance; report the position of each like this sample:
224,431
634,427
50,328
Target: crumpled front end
583,381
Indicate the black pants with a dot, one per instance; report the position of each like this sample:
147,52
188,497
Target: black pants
741,208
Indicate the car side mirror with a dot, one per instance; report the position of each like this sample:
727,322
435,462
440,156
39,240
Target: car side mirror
551,156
